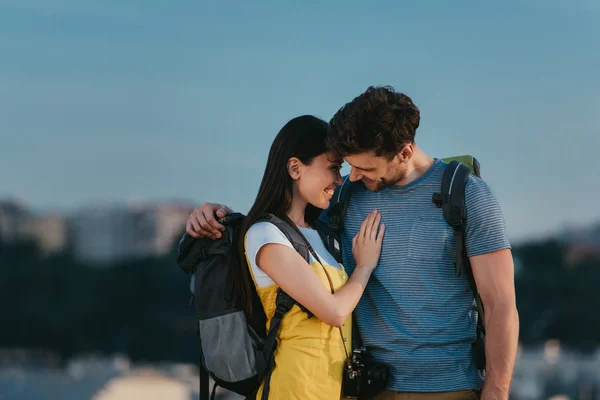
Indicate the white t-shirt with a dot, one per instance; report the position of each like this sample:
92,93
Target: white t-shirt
263,233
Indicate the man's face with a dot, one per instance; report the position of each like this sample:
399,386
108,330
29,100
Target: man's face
376,172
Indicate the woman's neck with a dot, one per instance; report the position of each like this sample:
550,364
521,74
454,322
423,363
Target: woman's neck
297,212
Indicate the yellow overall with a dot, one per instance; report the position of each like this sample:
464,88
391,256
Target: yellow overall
310,357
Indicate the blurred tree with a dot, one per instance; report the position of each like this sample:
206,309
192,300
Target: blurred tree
140,307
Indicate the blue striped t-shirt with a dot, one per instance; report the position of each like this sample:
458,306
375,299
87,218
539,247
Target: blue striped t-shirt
415,314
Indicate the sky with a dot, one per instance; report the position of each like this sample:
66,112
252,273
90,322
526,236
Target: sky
117,101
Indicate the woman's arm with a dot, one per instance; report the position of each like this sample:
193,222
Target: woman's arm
293,274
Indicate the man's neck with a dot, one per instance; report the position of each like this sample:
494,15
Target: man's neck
418,164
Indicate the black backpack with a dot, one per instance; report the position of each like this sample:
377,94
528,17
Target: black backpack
451,199
237,353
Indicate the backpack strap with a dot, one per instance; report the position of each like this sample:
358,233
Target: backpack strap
283,302
330,227
289,233
337,211
451,200
203,374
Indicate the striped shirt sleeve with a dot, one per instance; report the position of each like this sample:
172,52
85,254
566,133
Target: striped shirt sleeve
485,227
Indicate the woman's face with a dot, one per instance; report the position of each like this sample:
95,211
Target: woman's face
317,181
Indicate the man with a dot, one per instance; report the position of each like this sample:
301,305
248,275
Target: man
415,314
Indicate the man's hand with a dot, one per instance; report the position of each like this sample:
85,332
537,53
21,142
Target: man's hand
202,222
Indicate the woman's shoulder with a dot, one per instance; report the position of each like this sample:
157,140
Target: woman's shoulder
263,232
262,228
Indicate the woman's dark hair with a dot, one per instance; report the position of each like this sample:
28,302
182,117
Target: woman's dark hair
305,138
380,120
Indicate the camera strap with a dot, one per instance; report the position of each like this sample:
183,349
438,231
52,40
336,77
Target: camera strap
355,332
316,256
333,291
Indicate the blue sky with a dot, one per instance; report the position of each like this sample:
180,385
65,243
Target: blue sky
128,100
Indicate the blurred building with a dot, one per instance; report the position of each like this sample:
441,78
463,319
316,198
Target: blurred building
155,227
50,231
113,233
14,221
18,223
100,234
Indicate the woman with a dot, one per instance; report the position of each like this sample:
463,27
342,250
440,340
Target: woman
298,183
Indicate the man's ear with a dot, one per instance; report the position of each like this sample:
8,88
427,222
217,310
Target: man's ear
293,167
407,152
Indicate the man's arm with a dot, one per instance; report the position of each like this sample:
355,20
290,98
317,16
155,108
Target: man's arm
202,222
488,249
494,276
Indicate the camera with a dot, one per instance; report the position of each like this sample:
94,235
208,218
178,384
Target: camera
364,378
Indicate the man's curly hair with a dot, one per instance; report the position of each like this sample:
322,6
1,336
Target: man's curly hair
379,120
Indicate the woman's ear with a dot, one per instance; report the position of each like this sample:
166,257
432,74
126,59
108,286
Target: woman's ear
293,167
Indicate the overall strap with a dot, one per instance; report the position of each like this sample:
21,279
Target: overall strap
283,302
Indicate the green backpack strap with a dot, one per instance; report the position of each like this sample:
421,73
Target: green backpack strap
451,200
471,162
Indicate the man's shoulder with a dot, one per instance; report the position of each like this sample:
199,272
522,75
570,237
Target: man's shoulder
481,202
474,183
476,186
477,189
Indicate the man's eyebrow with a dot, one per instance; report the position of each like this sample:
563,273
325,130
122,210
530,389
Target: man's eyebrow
362,169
